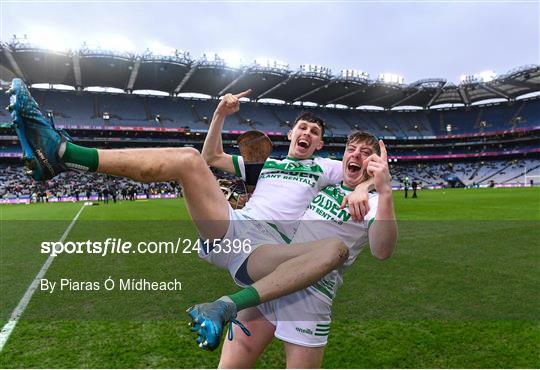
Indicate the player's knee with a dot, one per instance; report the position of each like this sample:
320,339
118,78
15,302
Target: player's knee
185,162
342,252
338,253
189,159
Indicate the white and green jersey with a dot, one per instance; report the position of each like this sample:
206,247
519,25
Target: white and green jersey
285,187
324,219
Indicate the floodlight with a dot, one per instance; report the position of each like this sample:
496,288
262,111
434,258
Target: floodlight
313,68
271,63
486,76
158,48
210,56
468,79
231,58
391,78
354,74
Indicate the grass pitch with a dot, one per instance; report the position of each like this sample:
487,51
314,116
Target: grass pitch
462,289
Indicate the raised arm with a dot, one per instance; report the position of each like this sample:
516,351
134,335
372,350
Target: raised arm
383,232
212,151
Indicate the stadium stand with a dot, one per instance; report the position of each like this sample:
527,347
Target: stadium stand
128,109
501,172
443,131
84,108
15,185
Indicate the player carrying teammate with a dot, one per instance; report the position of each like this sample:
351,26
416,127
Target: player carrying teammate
302,319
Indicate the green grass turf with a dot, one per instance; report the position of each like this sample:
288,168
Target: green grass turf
460,291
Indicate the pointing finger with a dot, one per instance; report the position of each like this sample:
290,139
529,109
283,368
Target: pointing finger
243,94
384,154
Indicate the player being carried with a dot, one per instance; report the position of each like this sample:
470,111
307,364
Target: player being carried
48,152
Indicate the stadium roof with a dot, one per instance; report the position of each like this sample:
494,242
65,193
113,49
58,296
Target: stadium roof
180,73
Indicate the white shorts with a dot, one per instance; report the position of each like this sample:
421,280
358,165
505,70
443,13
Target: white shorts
243,236
300,318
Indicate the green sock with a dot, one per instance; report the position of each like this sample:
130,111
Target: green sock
79,158
247,297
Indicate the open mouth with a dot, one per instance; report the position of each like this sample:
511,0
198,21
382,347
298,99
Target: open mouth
354,167
303,143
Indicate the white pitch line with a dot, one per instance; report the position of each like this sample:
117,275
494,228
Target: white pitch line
18,311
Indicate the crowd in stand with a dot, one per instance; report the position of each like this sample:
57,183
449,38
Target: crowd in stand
15,184
470,174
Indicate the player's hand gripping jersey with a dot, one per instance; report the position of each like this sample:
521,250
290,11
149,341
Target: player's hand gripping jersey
285,187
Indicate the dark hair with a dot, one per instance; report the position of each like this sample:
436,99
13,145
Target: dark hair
310,117
364,137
